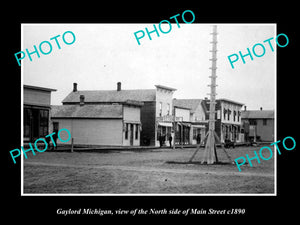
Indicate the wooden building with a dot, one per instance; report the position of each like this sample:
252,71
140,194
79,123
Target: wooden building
258,125
155,111
193,127
36,111
106,125
228,122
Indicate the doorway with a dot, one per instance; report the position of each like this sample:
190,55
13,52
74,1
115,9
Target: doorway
131,134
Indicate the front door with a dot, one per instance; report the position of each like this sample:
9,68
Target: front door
131,134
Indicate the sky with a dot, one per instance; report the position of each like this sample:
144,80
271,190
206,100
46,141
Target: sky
104,54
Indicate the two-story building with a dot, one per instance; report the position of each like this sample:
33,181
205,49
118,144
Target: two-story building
228,122
155,110
258,125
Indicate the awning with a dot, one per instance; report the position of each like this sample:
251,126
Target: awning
133,122
184,124
165,124
198,126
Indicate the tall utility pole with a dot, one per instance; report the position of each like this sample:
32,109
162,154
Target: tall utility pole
210,154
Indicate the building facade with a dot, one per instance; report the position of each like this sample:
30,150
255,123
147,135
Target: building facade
182,125
106,125
36,112
258,125
155,111
228,124
195,126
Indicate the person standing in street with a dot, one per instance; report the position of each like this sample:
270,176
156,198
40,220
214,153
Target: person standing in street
170,140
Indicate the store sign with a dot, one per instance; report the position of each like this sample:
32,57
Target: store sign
178,119
165,118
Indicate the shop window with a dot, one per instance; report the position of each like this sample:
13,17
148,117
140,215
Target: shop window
194,133
126,131
136,131
158,133
44,122
26,121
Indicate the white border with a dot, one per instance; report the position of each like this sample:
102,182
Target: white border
108,194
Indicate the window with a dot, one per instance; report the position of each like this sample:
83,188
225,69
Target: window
158,133
234,115
252,122
44,120
136,131
27,119
264,122
168,109
55,127
228,113
160,109
194,133
126,131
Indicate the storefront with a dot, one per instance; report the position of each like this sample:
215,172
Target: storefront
164,130
182,133
198,133
36,111
231,132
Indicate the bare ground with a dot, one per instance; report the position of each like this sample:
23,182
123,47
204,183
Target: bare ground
159,171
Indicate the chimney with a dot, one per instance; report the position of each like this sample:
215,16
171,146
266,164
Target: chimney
81,100
245,108
119,86
74,87
260,108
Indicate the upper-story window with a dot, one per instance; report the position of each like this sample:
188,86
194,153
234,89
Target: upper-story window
168,109
228,114
224,113
160,109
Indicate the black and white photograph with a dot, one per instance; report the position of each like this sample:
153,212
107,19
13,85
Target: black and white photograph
136,112
166,116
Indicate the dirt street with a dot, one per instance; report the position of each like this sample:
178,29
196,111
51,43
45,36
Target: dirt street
156,171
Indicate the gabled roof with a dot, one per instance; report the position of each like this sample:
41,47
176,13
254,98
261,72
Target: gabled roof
111,96
86,111
258,114
191,104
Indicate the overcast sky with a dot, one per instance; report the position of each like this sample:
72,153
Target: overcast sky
104,54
